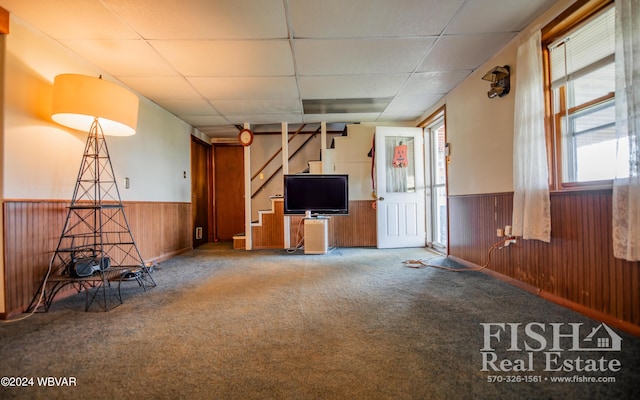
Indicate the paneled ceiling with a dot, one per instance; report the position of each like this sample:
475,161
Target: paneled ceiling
218,64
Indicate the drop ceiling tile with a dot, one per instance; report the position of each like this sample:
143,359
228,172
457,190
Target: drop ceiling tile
433,83
463,52
417,103
351,86
348,118
359,56
249,88
409,107
122,57
265,118
204,19
244,107
188,106
360,18
203,120
227,58
159,88
486,16
71,19
400,115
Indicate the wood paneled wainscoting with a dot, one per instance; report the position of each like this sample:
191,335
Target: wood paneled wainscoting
358,229
576,269
32,229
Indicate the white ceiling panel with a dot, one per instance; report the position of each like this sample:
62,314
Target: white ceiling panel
402,115
411,104
359,56
123,57
188,106
248,107
463,52
351,86
348,118
204,120
228,58
432,83
254,88
160,88
203,19
264,118
367,18
479,16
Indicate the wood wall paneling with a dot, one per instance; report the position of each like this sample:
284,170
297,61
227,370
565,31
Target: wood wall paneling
577,266
32,230
270,233
358,229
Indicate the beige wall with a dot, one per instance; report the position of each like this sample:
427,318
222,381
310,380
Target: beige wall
41,159
479,129
480,133
262,148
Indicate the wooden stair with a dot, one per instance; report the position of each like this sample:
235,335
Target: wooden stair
268,231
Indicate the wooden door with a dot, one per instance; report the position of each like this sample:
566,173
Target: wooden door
229,191
201,199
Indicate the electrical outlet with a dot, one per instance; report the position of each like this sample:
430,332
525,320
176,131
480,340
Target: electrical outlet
499,232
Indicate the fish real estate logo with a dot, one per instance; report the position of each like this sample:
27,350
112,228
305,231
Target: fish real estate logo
549,347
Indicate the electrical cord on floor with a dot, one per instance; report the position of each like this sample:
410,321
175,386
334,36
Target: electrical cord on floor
40,297
298,245
426,263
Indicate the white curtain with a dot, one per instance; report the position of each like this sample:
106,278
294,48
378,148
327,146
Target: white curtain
531,205
626,187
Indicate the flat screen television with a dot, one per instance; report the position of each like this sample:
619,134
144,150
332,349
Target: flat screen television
316,194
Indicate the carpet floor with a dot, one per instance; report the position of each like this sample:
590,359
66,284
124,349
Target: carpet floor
356,323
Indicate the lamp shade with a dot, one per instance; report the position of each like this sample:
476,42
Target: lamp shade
79,99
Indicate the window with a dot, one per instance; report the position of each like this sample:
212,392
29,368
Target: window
581,91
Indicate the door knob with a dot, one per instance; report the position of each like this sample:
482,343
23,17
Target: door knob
381,198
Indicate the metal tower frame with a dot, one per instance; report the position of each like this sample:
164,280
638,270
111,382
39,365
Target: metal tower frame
96,235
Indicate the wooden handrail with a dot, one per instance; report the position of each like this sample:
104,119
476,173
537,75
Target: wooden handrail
280,167
277,152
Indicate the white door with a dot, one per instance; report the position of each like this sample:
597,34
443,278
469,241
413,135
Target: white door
399,165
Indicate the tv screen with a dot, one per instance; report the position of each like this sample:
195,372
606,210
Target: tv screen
317,194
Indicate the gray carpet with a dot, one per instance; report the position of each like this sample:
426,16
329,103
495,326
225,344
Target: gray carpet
352,324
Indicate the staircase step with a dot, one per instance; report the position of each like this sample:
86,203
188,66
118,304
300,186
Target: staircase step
239,242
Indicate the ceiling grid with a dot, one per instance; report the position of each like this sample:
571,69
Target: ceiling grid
218,64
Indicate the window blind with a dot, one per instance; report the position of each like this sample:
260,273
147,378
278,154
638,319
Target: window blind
584,49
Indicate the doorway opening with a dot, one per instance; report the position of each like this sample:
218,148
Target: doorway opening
436,152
